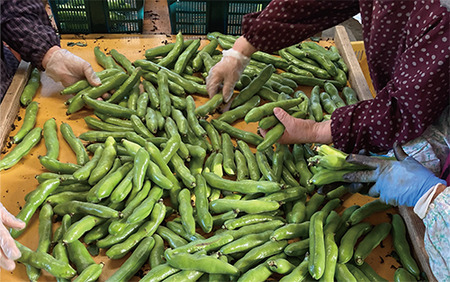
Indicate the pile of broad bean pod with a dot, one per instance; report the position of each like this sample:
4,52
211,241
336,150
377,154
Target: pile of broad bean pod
230,212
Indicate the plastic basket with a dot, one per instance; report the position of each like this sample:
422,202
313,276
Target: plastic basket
98,16
201,17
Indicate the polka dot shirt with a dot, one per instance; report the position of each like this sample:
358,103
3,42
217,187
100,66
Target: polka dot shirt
407,46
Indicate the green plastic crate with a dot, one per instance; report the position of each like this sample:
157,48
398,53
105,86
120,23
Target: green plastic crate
98,16
201,17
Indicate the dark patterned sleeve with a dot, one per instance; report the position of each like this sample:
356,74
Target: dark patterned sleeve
412,99
27,29
286,22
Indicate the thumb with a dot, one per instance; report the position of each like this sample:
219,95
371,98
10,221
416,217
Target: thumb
285,118
9,220
90,75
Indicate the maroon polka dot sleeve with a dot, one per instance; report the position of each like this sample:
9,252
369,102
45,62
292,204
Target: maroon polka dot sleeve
286,22
408,55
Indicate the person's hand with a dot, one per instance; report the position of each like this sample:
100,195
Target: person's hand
299,130
227,72
63,66
9,251
396,182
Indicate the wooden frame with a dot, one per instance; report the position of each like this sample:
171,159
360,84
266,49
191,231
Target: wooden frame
11,101
355,74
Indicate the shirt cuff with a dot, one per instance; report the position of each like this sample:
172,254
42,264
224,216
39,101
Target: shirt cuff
421,207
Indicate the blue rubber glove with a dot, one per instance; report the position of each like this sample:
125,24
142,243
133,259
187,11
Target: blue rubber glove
396,182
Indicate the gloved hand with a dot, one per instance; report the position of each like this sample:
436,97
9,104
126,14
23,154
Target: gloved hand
9,251
396,182
67,68
227,72
299,130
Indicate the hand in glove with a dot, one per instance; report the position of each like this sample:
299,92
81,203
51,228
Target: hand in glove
227,72
9,251
63,66
401,182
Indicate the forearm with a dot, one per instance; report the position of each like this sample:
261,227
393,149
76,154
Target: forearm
284,23
27,29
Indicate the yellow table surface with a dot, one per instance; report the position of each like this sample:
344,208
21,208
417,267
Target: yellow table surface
16,182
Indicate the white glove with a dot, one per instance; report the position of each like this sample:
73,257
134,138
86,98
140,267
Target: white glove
9,251
227,72
68,68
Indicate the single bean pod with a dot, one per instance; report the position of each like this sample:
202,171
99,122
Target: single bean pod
29,122
244,186
348,241
401,246
35,200
134,262
79,255
240,111
31,87
371,241
146,230
265,250
245,243
45,261
91,273
248,206
291,231
357,273
300,273
22,149
366,210
248,92
297,249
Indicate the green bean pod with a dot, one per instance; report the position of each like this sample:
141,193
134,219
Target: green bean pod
31,87
45,261
370,273
45,236
79,255
245,243
265,250
348,241
134,262
349,96
145,207
171,237
156,256
401,246
29,122
248,206
317,246
146,230
244,186
343,274
300,273
240,111
366,210
51,138
35,200
210,106
126,86
371,241
297,249
91,273
255,85
22,149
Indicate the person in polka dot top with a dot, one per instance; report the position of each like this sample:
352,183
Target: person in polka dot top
407,46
